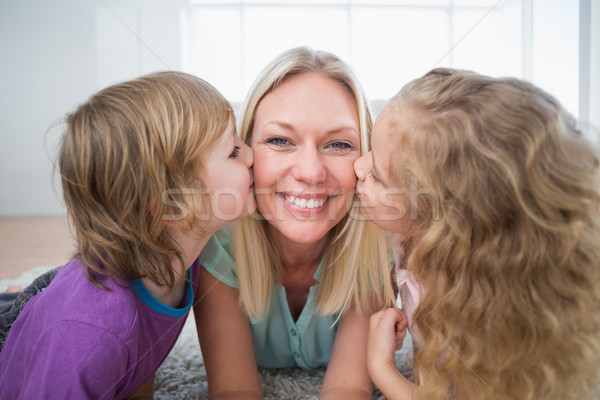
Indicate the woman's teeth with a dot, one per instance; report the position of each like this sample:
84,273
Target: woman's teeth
305,203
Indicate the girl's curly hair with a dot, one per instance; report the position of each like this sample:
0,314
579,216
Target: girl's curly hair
510,262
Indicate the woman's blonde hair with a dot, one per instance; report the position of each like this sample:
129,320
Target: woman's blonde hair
130,159
356,267
511,264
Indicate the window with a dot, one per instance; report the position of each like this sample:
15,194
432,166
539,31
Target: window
388,42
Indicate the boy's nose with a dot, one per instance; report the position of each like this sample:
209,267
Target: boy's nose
248,155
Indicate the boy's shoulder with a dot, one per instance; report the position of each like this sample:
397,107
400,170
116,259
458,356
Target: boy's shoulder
71,296
84,358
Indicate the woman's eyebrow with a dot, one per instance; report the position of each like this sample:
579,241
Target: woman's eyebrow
290,127
337,129
342,129
285,125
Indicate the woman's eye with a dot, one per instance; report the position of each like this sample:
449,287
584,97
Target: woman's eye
341,146
235,152
277,141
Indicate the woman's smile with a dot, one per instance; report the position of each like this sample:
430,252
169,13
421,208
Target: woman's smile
304,203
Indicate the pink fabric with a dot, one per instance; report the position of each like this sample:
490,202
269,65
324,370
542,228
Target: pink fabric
410,296
410,291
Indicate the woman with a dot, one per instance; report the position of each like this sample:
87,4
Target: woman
294,285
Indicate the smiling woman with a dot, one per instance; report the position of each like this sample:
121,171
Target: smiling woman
305,274
304,179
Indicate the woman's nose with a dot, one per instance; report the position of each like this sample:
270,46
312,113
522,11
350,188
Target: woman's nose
360,168
310,166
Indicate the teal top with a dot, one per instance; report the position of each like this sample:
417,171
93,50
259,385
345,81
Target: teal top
279,342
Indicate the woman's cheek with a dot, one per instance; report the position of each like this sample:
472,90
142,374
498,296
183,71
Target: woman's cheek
346,179
346,175
265,169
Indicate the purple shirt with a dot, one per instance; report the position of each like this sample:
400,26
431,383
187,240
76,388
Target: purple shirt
74,340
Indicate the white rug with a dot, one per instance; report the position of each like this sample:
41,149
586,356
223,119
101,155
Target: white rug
183,376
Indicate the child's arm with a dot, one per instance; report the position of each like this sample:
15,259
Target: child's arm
387,330
225,341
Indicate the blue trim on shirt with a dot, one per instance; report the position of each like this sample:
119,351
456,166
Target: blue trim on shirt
148,299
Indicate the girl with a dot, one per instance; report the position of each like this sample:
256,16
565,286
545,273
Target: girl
495,196
141,164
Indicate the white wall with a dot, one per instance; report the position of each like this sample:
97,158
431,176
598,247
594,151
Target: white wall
590,67
594,108
48,64
54,55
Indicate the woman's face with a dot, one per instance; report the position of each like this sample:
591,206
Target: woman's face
305,141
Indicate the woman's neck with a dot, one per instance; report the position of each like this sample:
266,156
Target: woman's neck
299,264
295,255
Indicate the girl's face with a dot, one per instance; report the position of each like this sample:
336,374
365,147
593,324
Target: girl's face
229,179
385,204
305,141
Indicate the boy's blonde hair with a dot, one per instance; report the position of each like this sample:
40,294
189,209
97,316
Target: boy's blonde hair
356,267
511,268
129,162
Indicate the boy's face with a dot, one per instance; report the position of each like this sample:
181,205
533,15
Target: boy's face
229,179
386,204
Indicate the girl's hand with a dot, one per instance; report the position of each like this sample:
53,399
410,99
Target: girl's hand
347,376
387,330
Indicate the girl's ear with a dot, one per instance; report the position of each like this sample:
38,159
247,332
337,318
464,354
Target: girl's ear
154,210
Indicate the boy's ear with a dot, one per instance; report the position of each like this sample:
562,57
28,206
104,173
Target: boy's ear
154,209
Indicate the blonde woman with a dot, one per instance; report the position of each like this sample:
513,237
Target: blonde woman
129,160
499,272
294,285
